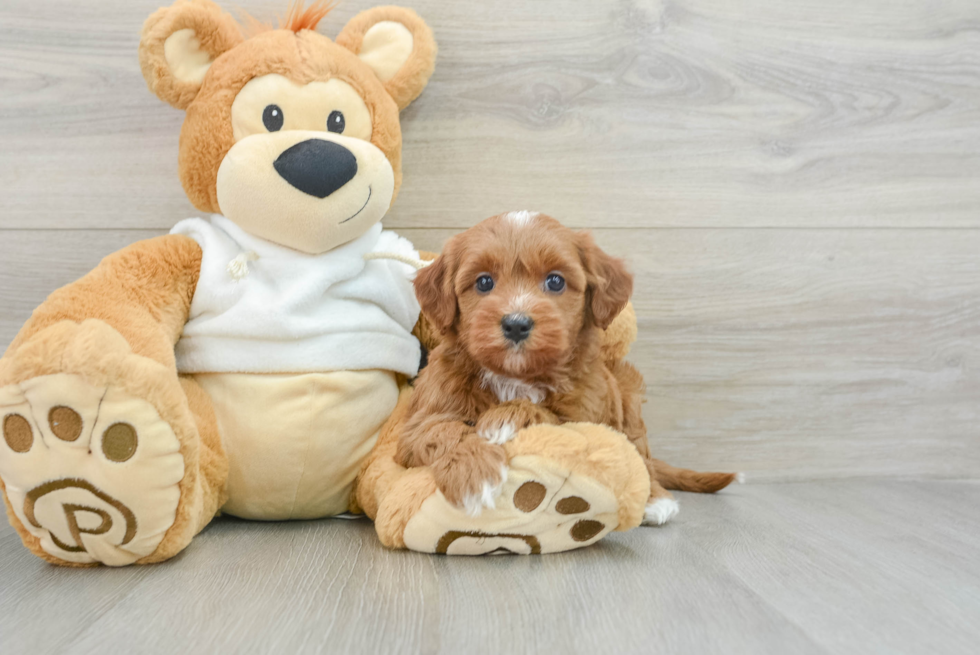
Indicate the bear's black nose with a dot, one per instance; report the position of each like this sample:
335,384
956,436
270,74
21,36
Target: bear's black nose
317,167
516,327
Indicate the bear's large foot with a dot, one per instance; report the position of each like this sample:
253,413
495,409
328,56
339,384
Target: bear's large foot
91,470
567,487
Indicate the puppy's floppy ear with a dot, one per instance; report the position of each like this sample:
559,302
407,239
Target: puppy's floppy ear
397,45
436,291
178,45
610,284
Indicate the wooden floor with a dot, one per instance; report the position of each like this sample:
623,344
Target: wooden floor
858,567
796,185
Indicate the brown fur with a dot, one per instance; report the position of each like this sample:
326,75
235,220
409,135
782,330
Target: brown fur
143,292
117,326
302,55
563,355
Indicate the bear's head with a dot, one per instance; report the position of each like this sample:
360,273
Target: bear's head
290,135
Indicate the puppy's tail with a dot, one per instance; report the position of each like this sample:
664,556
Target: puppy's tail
671,477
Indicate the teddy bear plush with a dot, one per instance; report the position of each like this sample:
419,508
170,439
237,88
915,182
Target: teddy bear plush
255,362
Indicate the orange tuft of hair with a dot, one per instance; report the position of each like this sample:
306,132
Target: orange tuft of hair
299,18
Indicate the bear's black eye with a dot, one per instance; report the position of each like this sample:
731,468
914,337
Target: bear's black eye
336,122
555,283
484,283
272,118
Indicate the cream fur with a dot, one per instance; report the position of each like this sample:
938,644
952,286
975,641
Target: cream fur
187,61
310,432
249,194
387,46
146,485
305,106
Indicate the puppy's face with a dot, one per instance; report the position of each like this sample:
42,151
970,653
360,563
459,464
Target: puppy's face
517,291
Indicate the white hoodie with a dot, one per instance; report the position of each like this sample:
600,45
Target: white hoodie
298,313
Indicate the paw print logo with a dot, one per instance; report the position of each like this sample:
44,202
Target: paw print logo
528,498
92,472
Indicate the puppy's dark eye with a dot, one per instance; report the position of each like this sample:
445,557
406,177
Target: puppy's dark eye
484,283
336,122
555,283
272,118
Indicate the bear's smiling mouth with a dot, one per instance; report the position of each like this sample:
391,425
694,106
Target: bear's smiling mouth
359,210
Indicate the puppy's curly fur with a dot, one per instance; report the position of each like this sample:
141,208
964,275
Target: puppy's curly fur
482,386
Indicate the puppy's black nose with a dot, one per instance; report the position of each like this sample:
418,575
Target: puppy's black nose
516,327
317,167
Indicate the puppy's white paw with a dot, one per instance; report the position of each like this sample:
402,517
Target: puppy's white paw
500,435
660,511
474,504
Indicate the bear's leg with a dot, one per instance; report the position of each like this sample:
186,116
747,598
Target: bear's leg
106,456
212,466
567,487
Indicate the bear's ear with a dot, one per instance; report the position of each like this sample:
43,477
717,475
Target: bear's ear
397,45
178,45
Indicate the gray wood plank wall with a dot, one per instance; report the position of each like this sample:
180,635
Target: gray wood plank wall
795,184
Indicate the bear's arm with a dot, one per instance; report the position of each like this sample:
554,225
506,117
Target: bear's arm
143,291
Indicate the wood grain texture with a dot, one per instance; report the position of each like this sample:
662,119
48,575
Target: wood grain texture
787,354
794,184
635,113
831,567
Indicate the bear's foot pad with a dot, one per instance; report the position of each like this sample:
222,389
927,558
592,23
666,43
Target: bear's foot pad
542,508
90,471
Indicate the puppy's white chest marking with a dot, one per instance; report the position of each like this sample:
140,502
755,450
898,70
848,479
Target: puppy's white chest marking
507,389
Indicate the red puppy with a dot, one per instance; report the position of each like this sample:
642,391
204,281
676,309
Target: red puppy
522,302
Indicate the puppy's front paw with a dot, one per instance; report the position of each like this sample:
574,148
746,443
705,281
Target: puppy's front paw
487,497
498,434
471,476
502,423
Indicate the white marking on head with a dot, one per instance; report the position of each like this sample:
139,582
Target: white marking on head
507,389
521,218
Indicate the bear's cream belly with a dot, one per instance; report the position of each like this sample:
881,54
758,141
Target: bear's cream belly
295,442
